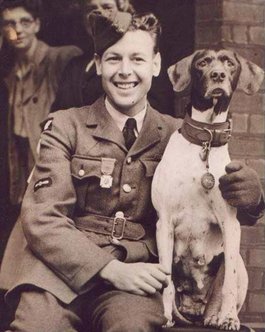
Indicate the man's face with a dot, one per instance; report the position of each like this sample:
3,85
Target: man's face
127,68
109,6
19,27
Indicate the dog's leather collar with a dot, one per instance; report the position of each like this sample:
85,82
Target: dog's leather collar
199,132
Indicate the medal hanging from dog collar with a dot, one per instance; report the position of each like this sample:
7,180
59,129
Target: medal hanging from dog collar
207,179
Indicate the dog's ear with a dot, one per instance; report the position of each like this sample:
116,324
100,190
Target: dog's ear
179,73
251,76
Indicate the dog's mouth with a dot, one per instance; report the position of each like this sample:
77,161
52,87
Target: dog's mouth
218,92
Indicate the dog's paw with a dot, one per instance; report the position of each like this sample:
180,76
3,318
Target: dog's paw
229,323
169,323
169,318
168,300
211,321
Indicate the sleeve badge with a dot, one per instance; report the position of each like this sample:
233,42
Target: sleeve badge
45,182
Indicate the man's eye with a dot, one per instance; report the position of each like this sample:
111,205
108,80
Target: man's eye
8,23
107,7
138,59
113,59
26,21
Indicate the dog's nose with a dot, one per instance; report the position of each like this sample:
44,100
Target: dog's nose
218,75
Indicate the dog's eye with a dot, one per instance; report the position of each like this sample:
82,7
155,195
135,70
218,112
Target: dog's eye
202,63
230,63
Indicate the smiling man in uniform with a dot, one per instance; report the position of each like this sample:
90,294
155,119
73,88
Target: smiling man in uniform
88,261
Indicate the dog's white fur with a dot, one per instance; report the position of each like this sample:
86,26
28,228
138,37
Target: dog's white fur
196,224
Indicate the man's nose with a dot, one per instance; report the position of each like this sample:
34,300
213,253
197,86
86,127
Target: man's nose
125,68
18,27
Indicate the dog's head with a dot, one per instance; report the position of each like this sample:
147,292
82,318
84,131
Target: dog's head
214,75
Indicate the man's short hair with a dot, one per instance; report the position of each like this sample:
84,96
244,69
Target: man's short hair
147,22
34,7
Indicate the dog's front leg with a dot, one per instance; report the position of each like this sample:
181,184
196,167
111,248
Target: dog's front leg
228,318
165,244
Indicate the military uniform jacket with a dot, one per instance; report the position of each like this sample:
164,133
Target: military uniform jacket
60,254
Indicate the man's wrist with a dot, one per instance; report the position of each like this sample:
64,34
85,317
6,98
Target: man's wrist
250,215
258,210
108,269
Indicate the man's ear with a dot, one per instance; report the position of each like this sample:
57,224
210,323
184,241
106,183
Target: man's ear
37,25
97,59
156,64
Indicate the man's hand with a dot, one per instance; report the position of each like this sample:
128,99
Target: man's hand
240,186
136,278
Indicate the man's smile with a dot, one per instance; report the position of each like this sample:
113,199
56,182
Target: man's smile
125,85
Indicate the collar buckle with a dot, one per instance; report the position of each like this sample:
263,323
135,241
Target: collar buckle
221,137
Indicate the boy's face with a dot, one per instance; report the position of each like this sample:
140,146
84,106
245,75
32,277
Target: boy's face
110,6
127,68
22,22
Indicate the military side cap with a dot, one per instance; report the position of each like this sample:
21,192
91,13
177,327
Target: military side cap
106,30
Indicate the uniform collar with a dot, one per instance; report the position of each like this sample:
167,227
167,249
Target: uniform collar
121,118
104,127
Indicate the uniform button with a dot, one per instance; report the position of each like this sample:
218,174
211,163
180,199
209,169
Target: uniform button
81,172
127,188
129,160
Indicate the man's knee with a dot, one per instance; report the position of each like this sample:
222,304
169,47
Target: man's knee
121,311
40,311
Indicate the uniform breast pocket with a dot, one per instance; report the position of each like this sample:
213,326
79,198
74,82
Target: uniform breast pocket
150,166
86,173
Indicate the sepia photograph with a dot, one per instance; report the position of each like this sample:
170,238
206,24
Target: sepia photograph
132,165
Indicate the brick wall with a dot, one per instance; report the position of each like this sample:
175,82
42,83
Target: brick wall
239,25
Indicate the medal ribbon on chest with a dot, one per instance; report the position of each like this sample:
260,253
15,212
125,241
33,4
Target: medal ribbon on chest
107,168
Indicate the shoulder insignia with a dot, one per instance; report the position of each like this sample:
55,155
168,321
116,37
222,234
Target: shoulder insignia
45,182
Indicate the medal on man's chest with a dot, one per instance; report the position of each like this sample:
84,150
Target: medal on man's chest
107,167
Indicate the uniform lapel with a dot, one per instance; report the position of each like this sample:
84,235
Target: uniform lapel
149,134
104,126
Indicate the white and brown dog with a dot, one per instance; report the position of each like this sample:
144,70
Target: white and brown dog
198,234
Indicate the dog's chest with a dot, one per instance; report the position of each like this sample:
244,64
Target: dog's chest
192,212
180,198
178,175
